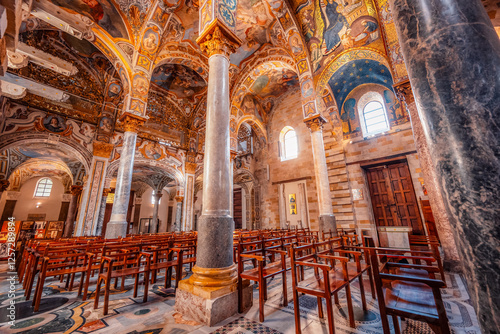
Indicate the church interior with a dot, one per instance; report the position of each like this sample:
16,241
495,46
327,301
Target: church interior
250,166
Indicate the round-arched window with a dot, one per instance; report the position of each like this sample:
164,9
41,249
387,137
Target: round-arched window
375,118
289,144
43,187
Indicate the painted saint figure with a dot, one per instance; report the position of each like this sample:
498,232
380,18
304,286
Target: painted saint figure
336,22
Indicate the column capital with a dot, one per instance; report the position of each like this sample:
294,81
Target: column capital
76,190
218,40
131,122
233,154
102,149
158,194
106,191
315,123
179,199
4,184
404,92
190,167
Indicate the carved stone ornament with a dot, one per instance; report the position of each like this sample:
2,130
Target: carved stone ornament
179,199
131,122
76,190
315,123
102,149
217,43
404,92
17,60
190,167
4,184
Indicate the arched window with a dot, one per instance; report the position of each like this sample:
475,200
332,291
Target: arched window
288,144
375,118
43,187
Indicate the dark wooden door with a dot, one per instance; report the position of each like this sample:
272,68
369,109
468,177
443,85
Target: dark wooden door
237,209
393,197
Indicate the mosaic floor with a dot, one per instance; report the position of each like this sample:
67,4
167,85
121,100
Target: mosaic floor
62,311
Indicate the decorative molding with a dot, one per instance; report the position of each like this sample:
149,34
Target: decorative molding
315,123
190,167
4,184
404,92
26,52
37,88
17,59
76,190
215,42
102,149
131,122
12,90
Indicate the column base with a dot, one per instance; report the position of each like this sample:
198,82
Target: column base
327,223
116,229
210,296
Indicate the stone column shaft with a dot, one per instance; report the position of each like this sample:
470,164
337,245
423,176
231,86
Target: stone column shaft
452,54
102,212
326,217
117,226
157,196
178,213
69,225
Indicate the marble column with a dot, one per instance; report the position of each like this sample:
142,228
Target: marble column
69,225
188,213
117,226
326,217
178,213
451,258
452,54
102,211
157,196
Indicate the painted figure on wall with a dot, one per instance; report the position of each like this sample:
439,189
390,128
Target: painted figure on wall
336,22
348,117
54,124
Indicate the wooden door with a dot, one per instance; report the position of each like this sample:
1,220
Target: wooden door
237,209
393,197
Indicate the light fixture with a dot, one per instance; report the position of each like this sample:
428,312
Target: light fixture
38,205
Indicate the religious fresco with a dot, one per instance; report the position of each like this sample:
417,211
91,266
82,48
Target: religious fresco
350,121
54,123
183,81
102,12
253,22
272,82
355,73
332,26
393,48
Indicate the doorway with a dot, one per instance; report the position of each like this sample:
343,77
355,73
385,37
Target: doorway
393,197
237,209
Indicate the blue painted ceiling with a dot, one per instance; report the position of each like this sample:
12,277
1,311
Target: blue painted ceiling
356,73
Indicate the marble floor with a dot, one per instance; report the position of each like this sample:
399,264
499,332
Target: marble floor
62,311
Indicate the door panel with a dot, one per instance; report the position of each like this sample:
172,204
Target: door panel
237,209
393,197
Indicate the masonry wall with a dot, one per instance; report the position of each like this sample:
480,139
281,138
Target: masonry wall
287,112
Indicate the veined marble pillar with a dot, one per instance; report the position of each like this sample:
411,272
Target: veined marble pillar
102,211
452,54
282,205
451,257
157,196
326,217
117,226
88,216
73,205
188,213
178,213
209,295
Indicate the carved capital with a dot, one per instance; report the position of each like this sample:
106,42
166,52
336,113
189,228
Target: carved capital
190,167
404,92
158,195
131,122
102,149
315,123
218,40
105,192
76,190
4,184
179,199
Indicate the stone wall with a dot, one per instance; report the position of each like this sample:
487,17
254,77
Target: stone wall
286,113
